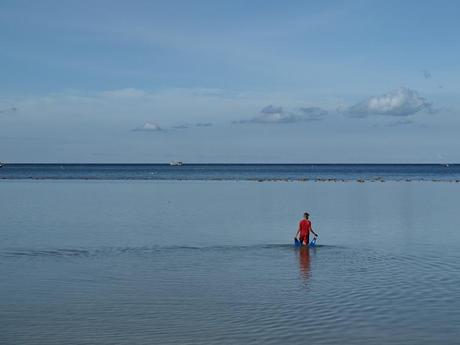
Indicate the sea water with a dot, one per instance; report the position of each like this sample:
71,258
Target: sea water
213,262
259,172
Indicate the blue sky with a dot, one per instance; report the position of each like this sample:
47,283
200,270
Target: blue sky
229,81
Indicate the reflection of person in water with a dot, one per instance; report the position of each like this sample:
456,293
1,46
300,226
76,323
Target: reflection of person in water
304,262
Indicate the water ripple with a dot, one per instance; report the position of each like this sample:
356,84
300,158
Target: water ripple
268,294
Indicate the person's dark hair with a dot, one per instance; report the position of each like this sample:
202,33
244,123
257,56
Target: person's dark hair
306,214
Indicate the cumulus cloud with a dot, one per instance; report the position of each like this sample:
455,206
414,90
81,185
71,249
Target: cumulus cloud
400,102
148,127
270,109
277,115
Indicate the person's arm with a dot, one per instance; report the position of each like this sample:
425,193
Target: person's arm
297,233
314,233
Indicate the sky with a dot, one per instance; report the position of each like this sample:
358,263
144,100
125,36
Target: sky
230,81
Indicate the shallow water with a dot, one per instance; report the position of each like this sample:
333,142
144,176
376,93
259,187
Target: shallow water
259,172
202,262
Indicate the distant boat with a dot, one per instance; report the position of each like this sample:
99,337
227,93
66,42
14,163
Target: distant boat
445,165
176,163
2,164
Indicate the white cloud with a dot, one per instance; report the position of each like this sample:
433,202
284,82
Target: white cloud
148,127
400,102
277,115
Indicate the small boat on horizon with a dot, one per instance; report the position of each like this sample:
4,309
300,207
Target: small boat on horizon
176,163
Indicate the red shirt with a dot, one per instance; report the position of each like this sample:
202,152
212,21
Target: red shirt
305,227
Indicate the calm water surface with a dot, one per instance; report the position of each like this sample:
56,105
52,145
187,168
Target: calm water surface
261,172
206,262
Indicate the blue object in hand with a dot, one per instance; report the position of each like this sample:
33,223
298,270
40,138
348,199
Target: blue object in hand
313,243
297,242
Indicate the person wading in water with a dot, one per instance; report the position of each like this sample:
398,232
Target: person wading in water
303,233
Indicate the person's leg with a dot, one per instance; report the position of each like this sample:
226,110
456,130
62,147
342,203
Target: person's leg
304,239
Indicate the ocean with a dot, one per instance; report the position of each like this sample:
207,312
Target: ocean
258,172
204,254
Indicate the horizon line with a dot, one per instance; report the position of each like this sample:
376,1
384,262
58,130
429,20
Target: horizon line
227,163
